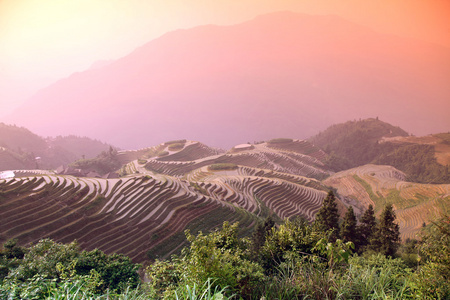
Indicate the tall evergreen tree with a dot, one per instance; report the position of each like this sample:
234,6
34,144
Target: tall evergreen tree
327,218
367,227
260,234
348,227
387,236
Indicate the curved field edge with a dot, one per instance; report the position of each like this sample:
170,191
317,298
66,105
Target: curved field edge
133,215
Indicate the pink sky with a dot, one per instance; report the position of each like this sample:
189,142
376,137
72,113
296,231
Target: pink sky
42,41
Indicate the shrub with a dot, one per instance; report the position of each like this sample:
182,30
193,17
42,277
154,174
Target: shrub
48,260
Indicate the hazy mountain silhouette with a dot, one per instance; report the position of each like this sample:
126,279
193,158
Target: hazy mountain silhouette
281,74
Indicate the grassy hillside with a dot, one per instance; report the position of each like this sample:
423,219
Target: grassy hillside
415,204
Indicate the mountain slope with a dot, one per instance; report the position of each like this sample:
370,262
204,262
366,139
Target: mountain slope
356,143
282,74
22,149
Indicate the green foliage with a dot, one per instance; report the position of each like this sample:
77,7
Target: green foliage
205,292
349,231
223,257
49,261
296,261
336,253
366,228
295,237
259,236
386,238
116,270
327,218
377,277
42,258
433,276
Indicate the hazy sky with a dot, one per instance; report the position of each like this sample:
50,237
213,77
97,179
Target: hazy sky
42,41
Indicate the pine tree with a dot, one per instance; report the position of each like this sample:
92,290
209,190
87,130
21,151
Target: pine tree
348,227
387,236
327,218
260,234
367,227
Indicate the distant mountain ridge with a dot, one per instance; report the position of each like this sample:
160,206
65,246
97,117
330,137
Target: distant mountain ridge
281,74
22,149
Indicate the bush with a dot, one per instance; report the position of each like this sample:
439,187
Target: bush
48,260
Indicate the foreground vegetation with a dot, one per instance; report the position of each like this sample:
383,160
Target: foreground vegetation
327,259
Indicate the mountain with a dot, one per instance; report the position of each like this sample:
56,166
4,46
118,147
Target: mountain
21,149
281,74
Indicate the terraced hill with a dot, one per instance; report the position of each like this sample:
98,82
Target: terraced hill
144,214
182,184
290,156
414,203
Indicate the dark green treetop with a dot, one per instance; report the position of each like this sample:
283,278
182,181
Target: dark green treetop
349,231
327,218
386,239
367,227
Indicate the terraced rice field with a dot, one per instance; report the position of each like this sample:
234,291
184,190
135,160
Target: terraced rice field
414,203
144,215
262,156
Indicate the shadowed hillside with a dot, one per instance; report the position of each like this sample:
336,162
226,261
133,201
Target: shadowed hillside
357,143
